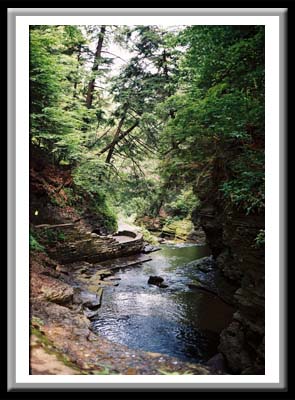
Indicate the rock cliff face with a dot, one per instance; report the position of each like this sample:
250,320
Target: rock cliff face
231,236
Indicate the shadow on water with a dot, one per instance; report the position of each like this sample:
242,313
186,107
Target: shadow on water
175,321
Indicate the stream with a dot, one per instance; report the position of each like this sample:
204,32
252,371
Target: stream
176,320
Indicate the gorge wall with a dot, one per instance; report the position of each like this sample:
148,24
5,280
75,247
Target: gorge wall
231,236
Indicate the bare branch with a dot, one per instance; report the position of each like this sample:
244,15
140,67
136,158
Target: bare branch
119,138
112,54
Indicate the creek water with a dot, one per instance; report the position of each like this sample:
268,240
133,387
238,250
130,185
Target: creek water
176,320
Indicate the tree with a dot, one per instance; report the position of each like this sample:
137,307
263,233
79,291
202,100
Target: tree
95,66
219,117
54,118
143,82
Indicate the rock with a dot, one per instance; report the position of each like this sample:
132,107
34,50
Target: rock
149,249
178,229
197,236
58,292
91,247
112,278
45,362
62,269
205,264
104,273
90,313
152,224
217,364
91,300
231,235
157,281
163,286
233,345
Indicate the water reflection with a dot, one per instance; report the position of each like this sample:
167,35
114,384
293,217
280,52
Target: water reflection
174,321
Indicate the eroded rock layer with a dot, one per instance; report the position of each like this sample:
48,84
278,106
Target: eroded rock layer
231,236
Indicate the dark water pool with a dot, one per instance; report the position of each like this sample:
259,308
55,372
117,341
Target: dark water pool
176,320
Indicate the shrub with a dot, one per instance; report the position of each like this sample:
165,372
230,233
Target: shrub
34,244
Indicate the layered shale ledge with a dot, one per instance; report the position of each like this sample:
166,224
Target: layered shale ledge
70,243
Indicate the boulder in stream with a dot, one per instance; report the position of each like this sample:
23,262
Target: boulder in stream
149,249
91,302
157,281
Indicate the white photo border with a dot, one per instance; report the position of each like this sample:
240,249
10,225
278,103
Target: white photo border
18,369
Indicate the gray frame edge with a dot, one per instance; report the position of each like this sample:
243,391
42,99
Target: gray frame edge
147,11
282,200
11,195
11,143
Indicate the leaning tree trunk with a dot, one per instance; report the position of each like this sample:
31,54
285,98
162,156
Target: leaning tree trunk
91,84
112,145
121,135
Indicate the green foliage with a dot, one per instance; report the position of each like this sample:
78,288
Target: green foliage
52,236
185,99
164,372
148,236
91,180
136,205
260,238
183,204
103,371
246,191
219,113
53,118
59,120
91,175
102,206
34,244
36,322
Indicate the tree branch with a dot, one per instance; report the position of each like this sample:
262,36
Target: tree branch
89,146
112,54
119,138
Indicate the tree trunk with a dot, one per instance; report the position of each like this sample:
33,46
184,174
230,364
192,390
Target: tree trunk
166,74
78,66
118,137
91,84
113,143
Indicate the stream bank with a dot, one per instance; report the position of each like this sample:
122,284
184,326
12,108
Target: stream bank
105,318
60,327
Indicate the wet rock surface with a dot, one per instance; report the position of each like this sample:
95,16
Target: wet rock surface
61,334
149,249
157,281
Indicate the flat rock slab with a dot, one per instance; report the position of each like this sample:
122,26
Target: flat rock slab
123,239
123,262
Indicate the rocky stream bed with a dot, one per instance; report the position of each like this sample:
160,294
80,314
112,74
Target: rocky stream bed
104,317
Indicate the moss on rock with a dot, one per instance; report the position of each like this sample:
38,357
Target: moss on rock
179,229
